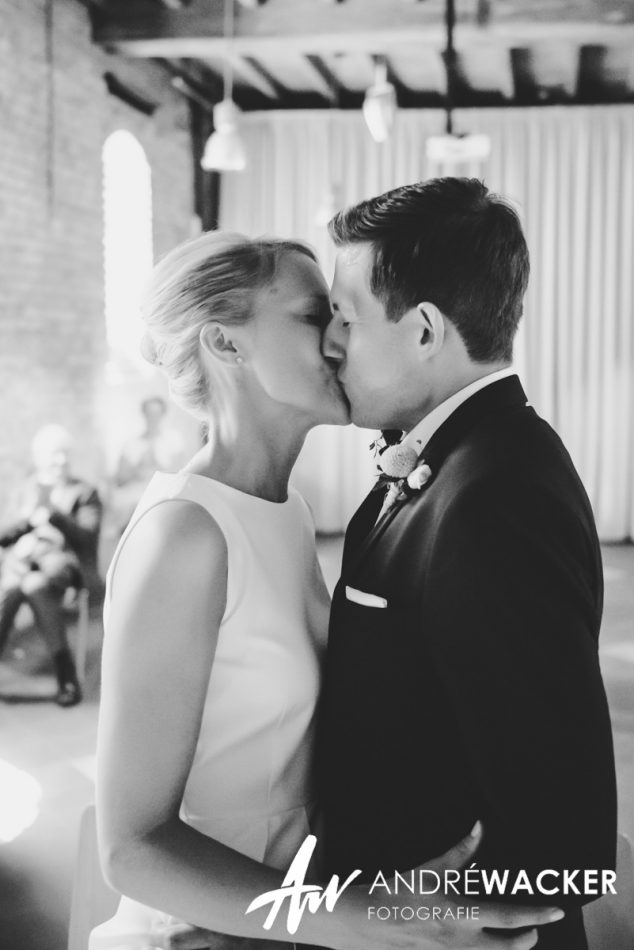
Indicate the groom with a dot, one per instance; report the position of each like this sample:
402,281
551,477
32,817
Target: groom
462,679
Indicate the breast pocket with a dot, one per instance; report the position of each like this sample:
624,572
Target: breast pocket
370,653
364,599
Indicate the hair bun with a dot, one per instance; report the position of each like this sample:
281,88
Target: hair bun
148,350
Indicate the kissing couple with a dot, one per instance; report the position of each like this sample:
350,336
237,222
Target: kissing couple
447,708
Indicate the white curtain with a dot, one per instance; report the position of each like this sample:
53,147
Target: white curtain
570,172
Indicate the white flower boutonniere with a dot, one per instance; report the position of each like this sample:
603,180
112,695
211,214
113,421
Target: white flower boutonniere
419,477
402,473
398,461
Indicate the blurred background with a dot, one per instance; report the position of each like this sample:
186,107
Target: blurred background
109,109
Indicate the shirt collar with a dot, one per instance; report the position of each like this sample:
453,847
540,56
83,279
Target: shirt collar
419,436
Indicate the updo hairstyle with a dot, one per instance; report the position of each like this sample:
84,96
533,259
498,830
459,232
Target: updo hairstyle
212,278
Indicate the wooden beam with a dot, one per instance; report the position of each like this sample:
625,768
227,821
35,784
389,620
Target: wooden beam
294,74
545,74
197,75
487,71
606,74
128,94
420,71
245,72
332,86
248,85
143,28
353,72
306,26
186,89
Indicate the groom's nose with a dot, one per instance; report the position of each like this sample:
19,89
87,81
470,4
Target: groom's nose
333,340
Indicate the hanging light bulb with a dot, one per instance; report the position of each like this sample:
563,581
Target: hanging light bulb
224,150
453,148
380,105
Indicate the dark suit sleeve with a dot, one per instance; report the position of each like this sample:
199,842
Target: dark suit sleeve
13,532
81,526
512,607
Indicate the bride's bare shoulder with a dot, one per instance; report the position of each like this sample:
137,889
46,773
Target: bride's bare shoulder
173,539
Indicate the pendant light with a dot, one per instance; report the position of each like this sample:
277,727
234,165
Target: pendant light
452,148
224,151
380,105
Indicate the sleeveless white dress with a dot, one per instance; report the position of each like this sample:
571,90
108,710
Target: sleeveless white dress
250,785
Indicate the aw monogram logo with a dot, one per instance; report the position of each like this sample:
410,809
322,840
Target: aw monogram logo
301,897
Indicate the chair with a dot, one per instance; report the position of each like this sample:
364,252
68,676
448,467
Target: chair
609,921
93,900
76,601
76,607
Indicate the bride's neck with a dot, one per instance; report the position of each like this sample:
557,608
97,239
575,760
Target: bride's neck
251,453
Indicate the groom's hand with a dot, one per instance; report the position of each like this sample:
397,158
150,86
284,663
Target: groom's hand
459,856
469,933
514,925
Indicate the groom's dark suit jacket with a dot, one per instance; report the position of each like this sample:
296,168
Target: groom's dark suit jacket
476,694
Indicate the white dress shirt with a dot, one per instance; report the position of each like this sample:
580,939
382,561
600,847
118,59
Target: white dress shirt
419,436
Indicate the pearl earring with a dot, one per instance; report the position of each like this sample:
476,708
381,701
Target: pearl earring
239,360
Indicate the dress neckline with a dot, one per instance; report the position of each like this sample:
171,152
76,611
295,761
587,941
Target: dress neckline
237,491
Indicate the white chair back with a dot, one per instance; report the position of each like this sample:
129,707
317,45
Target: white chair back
93,900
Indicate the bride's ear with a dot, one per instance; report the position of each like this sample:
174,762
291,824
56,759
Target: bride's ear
217,343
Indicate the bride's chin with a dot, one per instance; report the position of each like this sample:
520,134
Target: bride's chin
339,416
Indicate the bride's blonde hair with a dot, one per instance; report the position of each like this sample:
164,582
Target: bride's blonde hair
210,278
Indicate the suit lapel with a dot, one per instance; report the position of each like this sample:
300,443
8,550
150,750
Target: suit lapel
505,395
361,524
66,496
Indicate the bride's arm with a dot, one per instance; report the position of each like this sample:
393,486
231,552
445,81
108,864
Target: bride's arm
168,598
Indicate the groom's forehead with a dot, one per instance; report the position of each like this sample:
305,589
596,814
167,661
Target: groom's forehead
353,267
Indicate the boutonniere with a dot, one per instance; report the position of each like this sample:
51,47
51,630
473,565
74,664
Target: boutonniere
401,471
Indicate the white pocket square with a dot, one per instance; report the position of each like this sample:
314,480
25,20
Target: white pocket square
366,600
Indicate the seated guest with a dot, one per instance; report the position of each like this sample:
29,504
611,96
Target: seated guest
52,546
157,448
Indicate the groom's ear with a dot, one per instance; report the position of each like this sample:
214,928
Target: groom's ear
217,343
431,327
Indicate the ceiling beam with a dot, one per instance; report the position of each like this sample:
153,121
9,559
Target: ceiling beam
486,72
245,71
297,75
353,72
139,28
145,28
331,88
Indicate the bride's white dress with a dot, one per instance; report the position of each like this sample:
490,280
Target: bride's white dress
250,784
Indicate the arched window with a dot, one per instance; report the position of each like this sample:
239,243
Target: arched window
127,195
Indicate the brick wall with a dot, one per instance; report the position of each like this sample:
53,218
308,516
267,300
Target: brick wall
55,114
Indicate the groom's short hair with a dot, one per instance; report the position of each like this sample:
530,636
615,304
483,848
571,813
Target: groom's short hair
451,242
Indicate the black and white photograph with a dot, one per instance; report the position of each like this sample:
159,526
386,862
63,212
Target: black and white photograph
317,474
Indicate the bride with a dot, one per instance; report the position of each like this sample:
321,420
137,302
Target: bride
216,620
